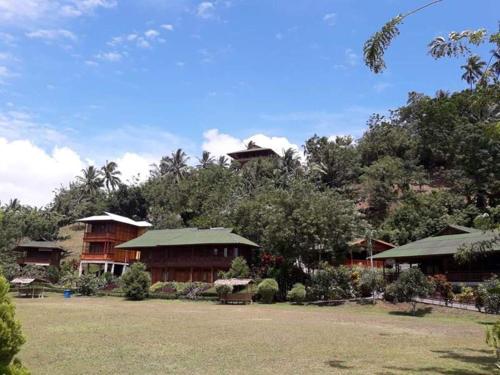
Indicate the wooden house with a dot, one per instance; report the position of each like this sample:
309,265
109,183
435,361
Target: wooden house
189,254
435,255
359,252
253,152
101,236
40,253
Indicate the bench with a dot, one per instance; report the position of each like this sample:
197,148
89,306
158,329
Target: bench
237,298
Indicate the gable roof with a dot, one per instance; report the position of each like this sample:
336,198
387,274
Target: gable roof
41,245
255,150
186,236
455,229
108,216
439,245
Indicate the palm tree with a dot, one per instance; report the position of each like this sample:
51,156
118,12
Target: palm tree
495,67
206,160
110,174
91,180
473,70
290,161
251,145
175,165
222,161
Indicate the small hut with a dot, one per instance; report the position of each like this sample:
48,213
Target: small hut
30,287
243,290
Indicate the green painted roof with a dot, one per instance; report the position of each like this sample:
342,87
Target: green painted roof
439,245
186,237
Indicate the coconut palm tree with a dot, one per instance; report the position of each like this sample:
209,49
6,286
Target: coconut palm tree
175,165
473,70
222,161
495,67
110,175
206,160
91,180
251,144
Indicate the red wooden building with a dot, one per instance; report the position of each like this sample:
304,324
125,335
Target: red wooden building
359,252
189,254
252,153
102,234
40,253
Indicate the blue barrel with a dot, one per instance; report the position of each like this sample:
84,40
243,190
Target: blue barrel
67,293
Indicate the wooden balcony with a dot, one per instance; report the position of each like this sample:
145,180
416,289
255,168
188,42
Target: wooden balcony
121,256
34,260
204,262
99,236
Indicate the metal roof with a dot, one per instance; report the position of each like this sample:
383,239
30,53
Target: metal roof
113,217
233,282
187,236
439,245
41,245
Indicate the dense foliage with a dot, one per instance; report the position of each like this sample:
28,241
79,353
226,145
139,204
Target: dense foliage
412,283
267,289
136,282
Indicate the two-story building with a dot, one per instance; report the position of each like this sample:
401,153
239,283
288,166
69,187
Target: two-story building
102,235
189,254
40,253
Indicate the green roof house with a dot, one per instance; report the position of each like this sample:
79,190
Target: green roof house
189,254
435,255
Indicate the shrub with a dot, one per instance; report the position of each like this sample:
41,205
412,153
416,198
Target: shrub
267,289
53,274
33,271
332,283
10,270
297,294
443,288
136,282
493,339
87,284
156,287
411,284
223,290
390,293
370,282
193,290
466,296
11,337
239,269
489,293
69,281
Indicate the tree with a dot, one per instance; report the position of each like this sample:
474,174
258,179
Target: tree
473,70
174,165
11,337
371,282
239,269
91,180
111,175
206,160
412,284
136,282
222,161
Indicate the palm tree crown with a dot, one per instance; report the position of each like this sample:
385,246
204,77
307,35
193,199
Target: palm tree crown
91,180
110,175
175,165
473,70
206,160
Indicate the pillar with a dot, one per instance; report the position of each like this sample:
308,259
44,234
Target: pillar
80,269
124,268
113,268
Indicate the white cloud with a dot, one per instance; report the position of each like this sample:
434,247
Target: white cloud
25,12
21,125
351,57
205,10
218,143
51,34
133,166
151,34
167,27
31,174
330,19
109,56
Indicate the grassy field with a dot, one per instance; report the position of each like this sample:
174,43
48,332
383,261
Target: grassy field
113,336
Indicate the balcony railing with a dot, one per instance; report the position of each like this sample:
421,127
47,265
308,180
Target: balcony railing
37,260
122,256
98,236
363,263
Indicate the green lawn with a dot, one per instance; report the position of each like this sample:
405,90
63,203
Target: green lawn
111,336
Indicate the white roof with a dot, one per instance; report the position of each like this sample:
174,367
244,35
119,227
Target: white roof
113,217
233,282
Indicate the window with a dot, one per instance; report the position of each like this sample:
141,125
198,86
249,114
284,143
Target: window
235,252
216,251
225,252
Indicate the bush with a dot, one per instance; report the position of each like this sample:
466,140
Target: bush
390,293
194,290
53,274
223,290
11,337
489,293
411,284
466,296
297,294
87,284
370,282
136,282
267,289
167,287
33,271
239,269
443,288
330,283
10,270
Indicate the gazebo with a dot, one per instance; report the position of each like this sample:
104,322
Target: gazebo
243,290
30,287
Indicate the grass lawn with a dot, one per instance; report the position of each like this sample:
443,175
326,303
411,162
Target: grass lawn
109,336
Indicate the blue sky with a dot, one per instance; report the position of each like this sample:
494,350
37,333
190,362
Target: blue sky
83,81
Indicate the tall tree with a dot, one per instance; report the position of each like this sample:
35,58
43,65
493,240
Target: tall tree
91,180
473,70
111,175
206,160
175,165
